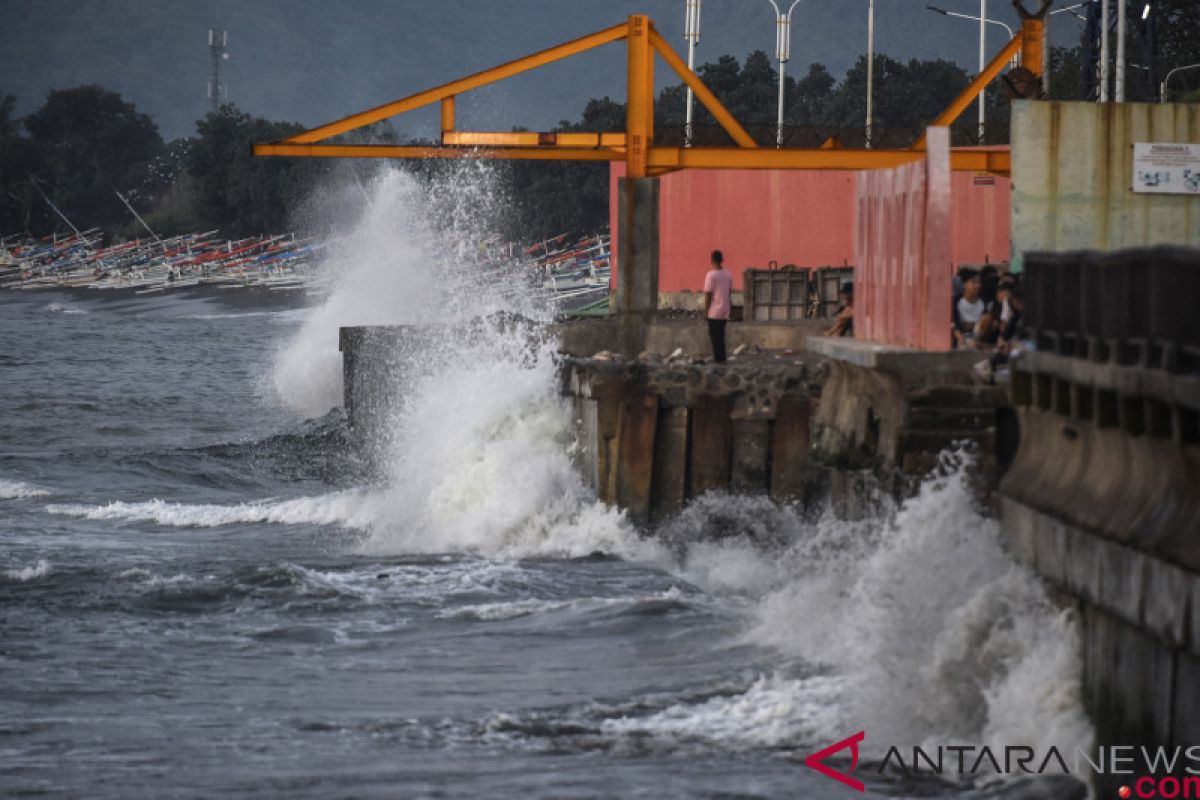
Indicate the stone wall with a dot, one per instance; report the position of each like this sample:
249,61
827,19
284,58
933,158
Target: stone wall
653,435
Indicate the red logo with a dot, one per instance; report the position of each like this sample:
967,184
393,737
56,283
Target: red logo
816,761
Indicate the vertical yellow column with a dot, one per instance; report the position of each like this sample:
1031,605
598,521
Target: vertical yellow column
639,113
1033,43
447,114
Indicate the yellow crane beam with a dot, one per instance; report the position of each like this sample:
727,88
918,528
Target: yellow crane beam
447,90
659,159
635,145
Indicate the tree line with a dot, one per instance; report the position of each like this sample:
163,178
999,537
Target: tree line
86,143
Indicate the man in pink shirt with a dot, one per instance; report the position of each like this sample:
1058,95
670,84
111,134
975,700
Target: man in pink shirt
718,286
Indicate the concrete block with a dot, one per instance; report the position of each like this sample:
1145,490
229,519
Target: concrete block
1122,580
1050,549
635,453
789,448
1129,678
712,434
608,411
1019,529
669,483
1081,571
589,439
751,449
1167,597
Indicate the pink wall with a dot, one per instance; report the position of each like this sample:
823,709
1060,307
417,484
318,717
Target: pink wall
903,250
797,217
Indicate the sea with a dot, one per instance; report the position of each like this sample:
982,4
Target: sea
208,588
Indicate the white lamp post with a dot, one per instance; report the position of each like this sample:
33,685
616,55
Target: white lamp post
691,32
1104,50
783,23
1120,93
870,69
1162,89
983,21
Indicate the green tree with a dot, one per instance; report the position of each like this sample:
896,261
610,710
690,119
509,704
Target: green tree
21,208
89,143
236,192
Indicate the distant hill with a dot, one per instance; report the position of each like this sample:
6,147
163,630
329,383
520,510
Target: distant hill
311,61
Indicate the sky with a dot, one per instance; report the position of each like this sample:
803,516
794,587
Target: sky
312,61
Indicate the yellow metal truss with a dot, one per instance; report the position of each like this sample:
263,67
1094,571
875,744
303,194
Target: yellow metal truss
635,146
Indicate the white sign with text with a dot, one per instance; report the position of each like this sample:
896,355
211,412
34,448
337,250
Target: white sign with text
1166,168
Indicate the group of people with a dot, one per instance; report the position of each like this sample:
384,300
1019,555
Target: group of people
986,309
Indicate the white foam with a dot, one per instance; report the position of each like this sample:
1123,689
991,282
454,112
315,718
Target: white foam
514,609
64,308
347,509
39,570
773,711
19,490
401,260
936,634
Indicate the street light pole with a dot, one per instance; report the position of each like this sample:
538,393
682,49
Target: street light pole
982,64
871,68
783,23
1121,6
1162,89
1104,50
983,21
691,32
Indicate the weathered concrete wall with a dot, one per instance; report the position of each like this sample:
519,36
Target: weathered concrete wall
653,435
372,363
1072,170
635,295
1103,498
888,412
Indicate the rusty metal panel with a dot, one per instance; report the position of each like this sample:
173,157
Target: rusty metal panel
1072,167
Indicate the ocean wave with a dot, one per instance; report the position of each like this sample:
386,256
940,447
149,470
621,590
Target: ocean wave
773,711
935,632
39,570
671,600
19,490
345,509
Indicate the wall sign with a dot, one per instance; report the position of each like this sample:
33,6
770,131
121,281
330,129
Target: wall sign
1166,168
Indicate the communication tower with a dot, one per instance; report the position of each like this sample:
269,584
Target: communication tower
218,92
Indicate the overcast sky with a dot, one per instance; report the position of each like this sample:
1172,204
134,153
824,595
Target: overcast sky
312,61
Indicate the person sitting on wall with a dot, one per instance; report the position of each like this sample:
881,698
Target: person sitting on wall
718,290
1012,326
1004,300
843,320
967,310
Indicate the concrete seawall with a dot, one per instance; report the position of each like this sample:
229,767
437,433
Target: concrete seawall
1103,498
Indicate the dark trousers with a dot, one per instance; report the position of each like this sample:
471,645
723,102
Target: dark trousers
716,333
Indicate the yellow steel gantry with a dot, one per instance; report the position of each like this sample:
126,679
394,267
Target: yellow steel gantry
635,146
